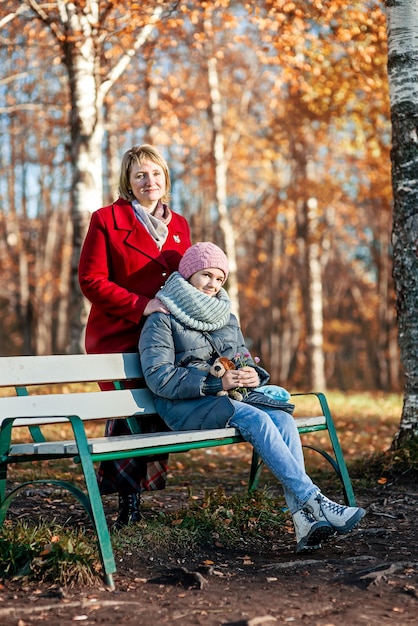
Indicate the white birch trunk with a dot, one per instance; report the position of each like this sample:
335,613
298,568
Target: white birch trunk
221,182
402,29
315,297
64,288
44,285
81,56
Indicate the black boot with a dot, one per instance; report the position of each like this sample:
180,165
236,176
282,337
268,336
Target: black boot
128,511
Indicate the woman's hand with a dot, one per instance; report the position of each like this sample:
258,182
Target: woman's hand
155,305
244,377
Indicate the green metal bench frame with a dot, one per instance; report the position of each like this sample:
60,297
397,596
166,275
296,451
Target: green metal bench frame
91,499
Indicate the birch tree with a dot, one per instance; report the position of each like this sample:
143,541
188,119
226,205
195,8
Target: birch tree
78,32
402,29
220,166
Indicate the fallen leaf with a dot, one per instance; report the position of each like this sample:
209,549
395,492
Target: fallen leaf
263,619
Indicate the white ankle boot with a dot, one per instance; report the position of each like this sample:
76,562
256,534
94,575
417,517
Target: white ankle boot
342,518
310,532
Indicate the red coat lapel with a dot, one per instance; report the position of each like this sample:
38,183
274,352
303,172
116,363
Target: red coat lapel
137,236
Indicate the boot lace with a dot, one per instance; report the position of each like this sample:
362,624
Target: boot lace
333,507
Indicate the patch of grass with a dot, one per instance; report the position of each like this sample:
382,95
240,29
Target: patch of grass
217,520
227,518
155,538
47,553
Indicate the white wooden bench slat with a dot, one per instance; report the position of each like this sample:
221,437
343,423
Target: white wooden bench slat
100,445
88,406
106,444
67,368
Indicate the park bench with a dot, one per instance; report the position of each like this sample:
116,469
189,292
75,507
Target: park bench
35,405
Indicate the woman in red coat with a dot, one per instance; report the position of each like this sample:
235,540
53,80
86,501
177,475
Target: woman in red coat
131,248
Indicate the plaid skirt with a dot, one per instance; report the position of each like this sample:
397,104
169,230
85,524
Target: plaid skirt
126,476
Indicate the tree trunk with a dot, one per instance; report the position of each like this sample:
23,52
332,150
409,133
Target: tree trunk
309,240
46,259
63,321
20,239
75,32
221,182
316,323
402,28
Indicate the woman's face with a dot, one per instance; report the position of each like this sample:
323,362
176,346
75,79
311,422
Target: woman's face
147,181
209,280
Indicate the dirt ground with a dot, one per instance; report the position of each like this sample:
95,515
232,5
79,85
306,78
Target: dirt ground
368,577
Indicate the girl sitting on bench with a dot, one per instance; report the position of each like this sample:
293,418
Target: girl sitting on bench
176,352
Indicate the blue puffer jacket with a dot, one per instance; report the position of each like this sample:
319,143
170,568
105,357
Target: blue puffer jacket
174,361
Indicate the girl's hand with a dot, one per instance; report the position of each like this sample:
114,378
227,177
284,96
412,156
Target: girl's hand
155,305
230,380
248,377
244,377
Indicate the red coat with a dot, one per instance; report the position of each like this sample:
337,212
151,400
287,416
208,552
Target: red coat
120,270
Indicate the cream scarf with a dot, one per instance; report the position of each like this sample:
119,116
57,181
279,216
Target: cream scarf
155,224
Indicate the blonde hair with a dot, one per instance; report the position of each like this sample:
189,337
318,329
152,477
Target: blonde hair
138,154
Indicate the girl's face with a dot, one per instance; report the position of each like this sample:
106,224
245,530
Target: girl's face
209,280
147,181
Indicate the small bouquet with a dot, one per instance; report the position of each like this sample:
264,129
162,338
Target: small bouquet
271,396
240,360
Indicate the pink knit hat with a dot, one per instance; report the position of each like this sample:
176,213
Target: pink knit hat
201,256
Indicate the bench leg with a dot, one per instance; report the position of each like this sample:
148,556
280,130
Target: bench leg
255,471
349,497
5,439
75,491
91,501
97,512
337,463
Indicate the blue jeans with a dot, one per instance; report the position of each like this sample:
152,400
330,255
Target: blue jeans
274,435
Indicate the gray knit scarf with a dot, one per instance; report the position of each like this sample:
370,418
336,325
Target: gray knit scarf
193,307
